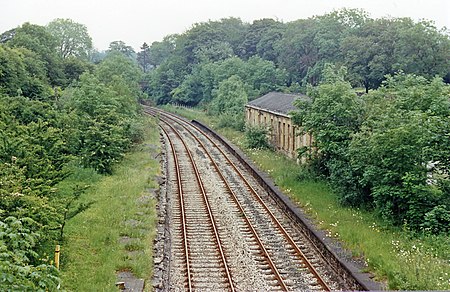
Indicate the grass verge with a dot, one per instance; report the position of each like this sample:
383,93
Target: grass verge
116,232
395,256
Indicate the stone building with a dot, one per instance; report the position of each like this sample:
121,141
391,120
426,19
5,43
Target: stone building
272,111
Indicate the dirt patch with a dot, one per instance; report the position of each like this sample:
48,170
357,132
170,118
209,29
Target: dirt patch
126,240
134,253
132,223
145,199
126,281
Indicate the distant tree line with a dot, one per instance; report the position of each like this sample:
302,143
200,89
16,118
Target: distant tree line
187,68
59,112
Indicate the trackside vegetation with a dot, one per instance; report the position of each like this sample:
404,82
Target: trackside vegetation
62,117
116,232
386,151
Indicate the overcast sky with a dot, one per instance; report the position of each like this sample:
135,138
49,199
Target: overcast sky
138,21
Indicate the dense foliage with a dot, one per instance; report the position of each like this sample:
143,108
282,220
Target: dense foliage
387,150
270,55
58,112
256,137
72,38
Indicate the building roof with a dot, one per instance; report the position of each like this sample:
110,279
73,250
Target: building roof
276,102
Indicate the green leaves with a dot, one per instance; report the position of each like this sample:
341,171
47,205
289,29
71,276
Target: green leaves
22,73
72,38
388,149
259,77
299,50
398,148
229,102
32,137
256,137
17,272
45,132
333,115
103,123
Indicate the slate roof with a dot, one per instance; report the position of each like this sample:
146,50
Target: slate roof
276,102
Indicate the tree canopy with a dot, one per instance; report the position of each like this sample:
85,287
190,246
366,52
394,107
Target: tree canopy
72,38
122,47
369,48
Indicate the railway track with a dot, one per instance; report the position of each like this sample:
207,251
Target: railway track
228,232
204,262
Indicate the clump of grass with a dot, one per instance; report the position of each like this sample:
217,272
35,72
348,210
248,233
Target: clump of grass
133,246
92,253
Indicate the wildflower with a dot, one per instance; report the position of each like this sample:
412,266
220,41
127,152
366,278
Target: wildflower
335,224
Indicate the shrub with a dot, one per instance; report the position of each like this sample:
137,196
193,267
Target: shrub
256,137
20,268
437,220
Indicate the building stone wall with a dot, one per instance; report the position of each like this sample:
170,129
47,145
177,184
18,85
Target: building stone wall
283,135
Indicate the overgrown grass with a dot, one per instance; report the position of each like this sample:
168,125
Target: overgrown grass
121,207
403,260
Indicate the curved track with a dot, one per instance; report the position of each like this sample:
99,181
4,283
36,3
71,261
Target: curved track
228,233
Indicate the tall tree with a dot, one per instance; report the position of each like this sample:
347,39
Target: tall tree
402,151
384,46
332,116
117,64
143,57
36,38
229,102
369,53
122,47
209,36
160,51
73,38
256,39
421,48
22,73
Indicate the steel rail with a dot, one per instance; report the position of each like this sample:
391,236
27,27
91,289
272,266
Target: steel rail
205,198
254,192
247,220
183,213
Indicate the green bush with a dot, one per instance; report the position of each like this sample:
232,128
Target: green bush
20,266
233,121
256,137
104,121
437,220
228,103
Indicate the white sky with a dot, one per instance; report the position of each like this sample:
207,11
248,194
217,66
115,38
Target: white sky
138,21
